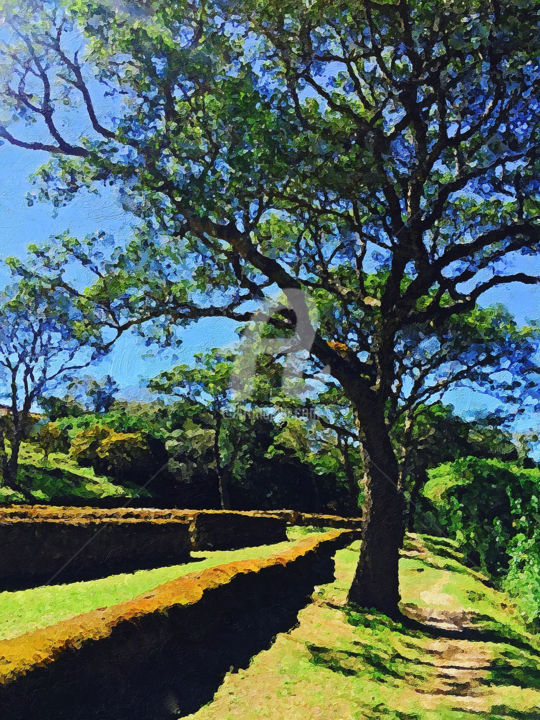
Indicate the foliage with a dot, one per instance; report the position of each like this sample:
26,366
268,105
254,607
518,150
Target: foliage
50,438
492,508
94,395
125,456
41,345
63,483
59,407
120,420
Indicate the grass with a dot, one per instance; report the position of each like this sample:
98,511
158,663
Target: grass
59,476
26,610
462,652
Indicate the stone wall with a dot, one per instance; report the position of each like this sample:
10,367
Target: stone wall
162,655
43,550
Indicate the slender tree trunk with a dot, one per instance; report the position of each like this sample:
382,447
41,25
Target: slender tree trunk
352,480
10,465
420,480
223,488
376,582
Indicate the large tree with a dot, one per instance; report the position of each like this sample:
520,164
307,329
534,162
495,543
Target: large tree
482,352
297,145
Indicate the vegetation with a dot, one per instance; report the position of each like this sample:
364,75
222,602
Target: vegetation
39,347
58,479
492,509
378,158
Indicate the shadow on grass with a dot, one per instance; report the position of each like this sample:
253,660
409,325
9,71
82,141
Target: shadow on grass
495,632
515,666
508,713
376,655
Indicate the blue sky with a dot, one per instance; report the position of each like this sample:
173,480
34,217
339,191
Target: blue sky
130,361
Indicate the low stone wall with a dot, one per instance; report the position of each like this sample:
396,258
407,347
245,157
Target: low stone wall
36,551
294,517
163,654
227,530
291,517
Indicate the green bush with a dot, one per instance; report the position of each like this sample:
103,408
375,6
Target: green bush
124,456
60,485
492,508
117,420
52,438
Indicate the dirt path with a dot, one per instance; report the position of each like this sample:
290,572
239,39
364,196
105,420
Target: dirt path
462,664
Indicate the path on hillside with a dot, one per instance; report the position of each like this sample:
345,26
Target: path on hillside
462,664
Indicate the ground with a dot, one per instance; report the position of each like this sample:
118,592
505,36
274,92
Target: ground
460,651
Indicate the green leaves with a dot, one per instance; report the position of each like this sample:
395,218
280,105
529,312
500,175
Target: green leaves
492,508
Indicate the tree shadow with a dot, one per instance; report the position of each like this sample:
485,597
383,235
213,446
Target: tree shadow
376,655
498,712
496,633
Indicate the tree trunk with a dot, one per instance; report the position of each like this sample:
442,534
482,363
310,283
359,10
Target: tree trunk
224,499
420,480
352,480
10,466
223,488
376,582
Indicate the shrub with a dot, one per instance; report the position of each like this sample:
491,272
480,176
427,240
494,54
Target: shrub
51,438
492,508
125,456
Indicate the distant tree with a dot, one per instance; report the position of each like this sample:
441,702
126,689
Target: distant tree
483,351
207,386
51,438
97,395
39,349
437,435
59,407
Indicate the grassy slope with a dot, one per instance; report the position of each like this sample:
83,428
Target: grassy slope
468,653
74,481
26,610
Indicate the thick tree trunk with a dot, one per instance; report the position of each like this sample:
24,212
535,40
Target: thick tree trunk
376,582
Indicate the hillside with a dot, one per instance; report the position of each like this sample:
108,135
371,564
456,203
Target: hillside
59,477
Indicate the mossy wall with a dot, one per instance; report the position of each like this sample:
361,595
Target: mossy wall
163,654
36,551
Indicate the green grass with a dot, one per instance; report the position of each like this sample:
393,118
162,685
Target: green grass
26,610
59,476
342,663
